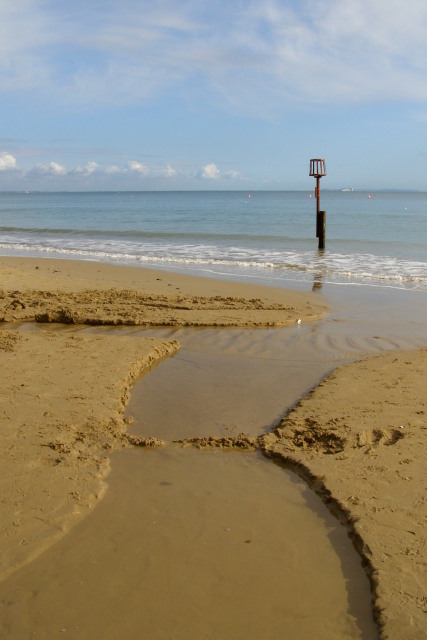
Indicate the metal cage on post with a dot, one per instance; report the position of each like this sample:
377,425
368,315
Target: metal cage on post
317,168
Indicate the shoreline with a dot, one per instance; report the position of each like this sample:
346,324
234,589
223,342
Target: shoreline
362,468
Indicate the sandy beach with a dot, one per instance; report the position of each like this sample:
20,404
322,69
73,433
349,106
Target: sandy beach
358,438
61,291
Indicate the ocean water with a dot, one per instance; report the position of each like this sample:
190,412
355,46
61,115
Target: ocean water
377,238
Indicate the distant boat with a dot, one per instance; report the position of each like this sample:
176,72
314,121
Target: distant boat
347,189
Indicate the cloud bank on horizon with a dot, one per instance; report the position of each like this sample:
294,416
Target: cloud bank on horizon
284,62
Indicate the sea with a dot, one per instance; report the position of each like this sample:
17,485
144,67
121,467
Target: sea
376,239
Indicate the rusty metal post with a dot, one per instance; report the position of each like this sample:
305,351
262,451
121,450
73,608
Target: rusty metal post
317,196
321,226
318,170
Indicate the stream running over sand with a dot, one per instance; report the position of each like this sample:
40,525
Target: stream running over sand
213,544
197,544
204,544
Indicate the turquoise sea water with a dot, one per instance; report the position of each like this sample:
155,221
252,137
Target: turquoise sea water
371,238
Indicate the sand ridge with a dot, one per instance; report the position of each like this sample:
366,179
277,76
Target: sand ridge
129,307
83,293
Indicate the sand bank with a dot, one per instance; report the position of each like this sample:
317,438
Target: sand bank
359,438
61,412
89,293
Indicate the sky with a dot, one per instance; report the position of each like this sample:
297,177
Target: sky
218,94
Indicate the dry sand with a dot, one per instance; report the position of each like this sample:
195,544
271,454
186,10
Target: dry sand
359,438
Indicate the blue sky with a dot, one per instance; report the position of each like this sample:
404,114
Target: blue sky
190,94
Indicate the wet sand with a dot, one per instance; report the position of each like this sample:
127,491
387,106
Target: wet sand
65,391
61,412
342,461
197,544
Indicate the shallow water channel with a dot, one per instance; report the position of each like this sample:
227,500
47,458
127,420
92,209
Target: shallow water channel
221,545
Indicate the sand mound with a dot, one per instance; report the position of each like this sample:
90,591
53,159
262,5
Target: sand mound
360,440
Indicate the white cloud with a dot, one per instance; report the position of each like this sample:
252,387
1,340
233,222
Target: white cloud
249,53
233,175
138,167
113,169
211,172
94,175
343,50
169,172
7,161
91,167
26,29
49,169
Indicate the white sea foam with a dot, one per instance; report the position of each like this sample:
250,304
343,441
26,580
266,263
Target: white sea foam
303,265
272,236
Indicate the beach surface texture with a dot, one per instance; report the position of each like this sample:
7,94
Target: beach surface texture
358,438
